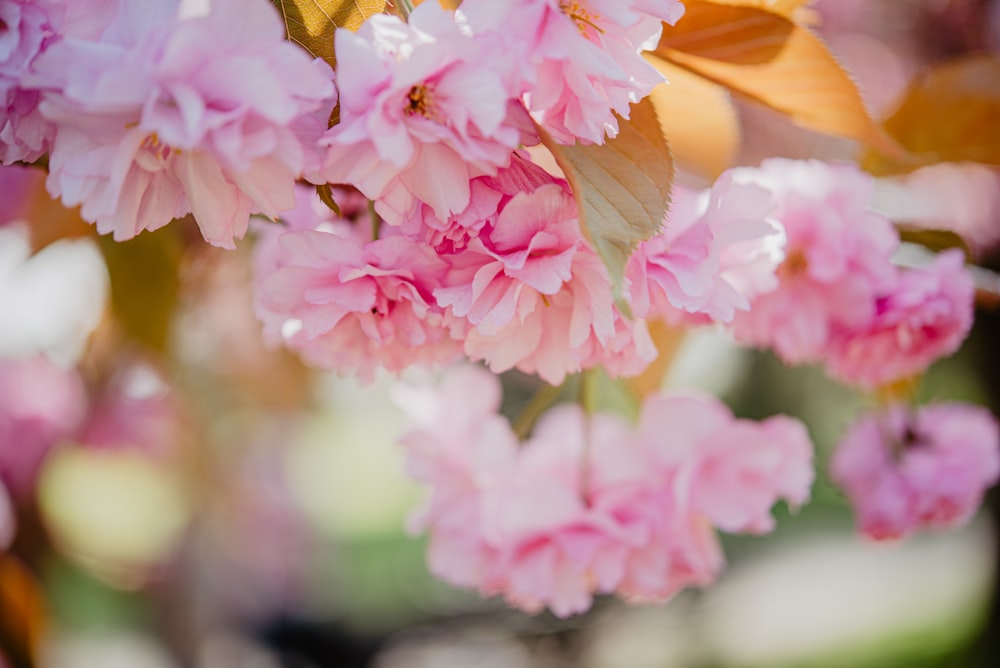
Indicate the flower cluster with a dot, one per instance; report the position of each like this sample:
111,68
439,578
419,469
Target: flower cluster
164,110
447,237
905,469
590,504
839,300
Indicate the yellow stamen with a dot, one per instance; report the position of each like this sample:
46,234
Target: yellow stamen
585,20
418,101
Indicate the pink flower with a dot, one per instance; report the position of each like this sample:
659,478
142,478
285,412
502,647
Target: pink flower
488,195
552,335
904,469
588,504
17,186
421,114
556,549
180,109
627,352
40,405
836,260
351,305
730,471
576,63
531,247
924,316
27,28
717,251
459,445
527,292
137,411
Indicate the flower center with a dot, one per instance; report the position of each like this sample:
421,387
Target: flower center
152,144
796,263
585,20
419,101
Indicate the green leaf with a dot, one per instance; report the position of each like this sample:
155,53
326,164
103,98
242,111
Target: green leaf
935,240
144,283
312,23
622,187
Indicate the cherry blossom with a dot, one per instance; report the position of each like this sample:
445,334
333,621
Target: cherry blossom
179,109
588,504
346,304
905,469
40,405
837,257
420,114
576,63
925,315
28,27
717,251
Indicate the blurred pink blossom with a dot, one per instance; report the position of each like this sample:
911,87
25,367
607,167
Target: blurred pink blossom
137,410
903,470
40,405
28,27
837,257
730,470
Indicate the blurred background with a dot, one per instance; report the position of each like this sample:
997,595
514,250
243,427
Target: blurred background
177,494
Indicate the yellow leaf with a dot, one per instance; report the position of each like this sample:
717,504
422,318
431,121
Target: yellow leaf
698,119
935,240
622,187
766,57
949,114
312,23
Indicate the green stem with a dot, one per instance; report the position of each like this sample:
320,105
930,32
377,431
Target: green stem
589,390
376,220
541,402
405,8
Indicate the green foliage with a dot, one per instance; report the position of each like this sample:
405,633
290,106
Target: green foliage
622,187
144,283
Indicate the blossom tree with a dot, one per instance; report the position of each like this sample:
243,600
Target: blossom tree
429,187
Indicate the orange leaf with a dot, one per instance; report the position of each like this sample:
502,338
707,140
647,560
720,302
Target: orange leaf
312,23
22,611
949,114
622,187
698,118
783,7
668,340
766,57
